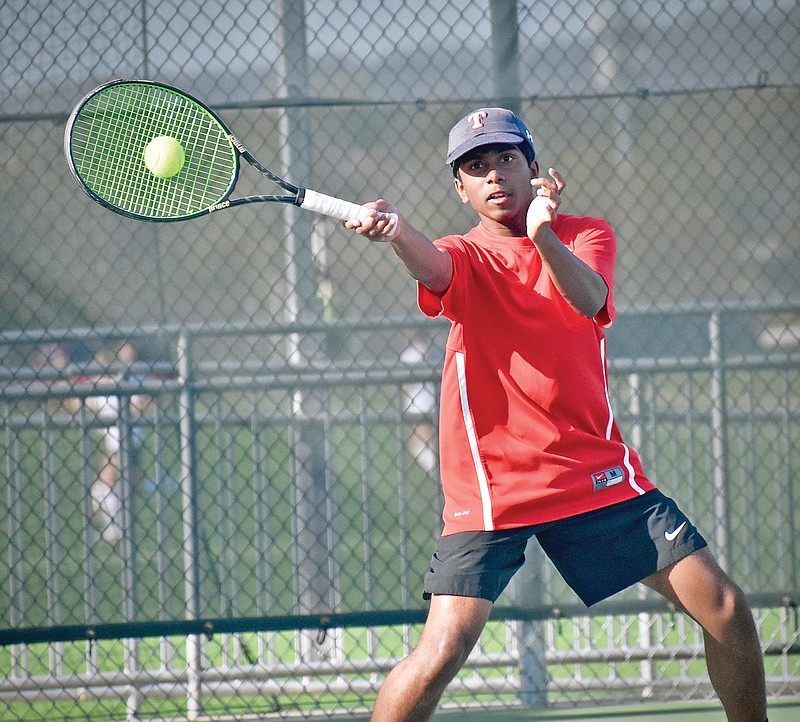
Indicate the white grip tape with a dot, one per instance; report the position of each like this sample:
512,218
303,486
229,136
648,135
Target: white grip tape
337,208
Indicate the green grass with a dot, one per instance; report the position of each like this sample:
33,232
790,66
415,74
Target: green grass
356,645
380,511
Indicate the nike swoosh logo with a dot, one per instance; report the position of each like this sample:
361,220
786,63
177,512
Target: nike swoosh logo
670,535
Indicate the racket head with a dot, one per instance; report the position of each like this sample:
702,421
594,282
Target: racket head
105,138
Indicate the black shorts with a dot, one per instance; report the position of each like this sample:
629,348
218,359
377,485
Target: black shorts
598,553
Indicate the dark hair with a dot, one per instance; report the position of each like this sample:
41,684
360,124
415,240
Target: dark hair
523,148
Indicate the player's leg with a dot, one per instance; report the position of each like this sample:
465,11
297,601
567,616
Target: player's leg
603,552
466,575
413,688
698,585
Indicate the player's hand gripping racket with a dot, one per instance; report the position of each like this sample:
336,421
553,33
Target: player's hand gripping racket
109,131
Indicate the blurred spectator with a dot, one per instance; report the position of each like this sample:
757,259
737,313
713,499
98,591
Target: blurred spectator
48,362
105,492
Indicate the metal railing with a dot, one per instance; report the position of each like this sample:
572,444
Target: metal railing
220,546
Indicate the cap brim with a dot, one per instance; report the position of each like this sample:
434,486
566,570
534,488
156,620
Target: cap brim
485,139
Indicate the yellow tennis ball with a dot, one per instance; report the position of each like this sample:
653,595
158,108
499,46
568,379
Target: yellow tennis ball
164,156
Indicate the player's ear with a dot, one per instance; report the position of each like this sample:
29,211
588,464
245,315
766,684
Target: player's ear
460,189
534,169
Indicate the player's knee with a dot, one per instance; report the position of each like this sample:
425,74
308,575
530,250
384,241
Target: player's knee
444,658
733,615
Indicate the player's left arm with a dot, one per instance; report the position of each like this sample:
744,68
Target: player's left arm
581,286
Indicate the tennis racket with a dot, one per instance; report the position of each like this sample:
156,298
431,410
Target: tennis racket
105,141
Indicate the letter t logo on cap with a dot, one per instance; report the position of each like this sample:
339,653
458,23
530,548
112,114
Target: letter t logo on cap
477,119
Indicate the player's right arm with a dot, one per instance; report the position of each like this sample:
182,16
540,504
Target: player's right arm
432,267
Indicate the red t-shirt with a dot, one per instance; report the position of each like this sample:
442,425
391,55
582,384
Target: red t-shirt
527,434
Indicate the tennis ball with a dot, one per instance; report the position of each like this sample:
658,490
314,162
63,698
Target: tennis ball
164,156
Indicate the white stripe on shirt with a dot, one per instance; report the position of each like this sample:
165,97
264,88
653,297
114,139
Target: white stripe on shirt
626,461
483,482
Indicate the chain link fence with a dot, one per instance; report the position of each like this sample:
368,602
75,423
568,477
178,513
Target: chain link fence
219,444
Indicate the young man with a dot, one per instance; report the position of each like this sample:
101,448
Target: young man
529,442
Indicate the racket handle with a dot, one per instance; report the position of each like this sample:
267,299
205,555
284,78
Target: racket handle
337,208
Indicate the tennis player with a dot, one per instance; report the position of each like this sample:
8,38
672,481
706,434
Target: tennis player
529,445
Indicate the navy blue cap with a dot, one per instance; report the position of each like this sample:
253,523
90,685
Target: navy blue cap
486,126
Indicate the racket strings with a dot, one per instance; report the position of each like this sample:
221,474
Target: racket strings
111,131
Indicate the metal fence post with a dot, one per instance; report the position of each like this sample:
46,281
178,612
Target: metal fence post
505,51
315,576
129,601
527,592
636,408
719,441
191,546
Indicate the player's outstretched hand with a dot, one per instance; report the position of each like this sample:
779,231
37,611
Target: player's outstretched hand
379,221
544,206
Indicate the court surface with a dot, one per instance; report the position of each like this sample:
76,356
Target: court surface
786,710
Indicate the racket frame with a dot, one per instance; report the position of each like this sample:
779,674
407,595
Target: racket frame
297,196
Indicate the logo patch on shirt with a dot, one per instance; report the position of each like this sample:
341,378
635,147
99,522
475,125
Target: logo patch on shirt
603,479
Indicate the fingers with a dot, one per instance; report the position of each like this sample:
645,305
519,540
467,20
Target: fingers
550,189
558,178
374,223
544,206
542,210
